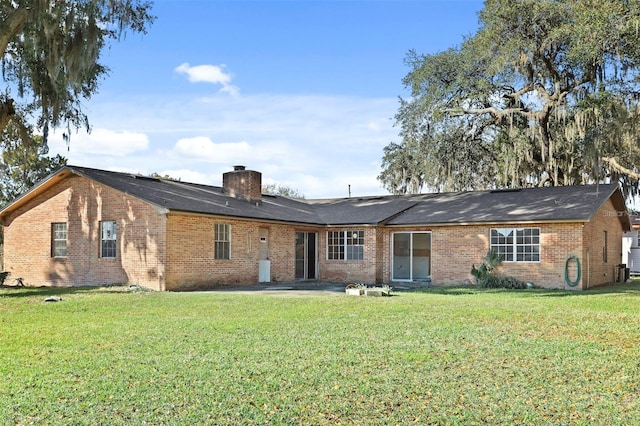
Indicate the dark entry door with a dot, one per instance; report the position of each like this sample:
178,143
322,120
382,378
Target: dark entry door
306,259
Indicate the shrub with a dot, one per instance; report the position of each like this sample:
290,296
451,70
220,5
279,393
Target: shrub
497,281
486,274
489,264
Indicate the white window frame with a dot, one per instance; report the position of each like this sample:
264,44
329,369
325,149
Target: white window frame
222,241
345,245
108,236
514,248
59,236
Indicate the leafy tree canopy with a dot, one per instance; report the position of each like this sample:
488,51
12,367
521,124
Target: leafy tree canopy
22,165
284,190
50,54
545,93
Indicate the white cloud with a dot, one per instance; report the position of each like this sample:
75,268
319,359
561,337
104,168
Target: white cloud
201,148
205,73
102,142
214,74
315,144
373,126
188,175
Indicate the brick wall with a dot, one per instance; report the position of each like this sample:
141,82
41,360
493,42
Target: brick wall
82,204
349,271
190,254
455,249
595,270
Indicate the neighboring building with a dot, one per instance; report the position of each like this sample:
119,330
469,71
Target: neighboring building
83,226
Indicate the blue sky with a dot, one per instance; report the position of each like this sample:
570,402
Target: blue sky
304,91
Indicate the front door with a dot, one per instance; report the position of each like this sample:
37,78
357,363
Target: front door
264,264
306,259
411,256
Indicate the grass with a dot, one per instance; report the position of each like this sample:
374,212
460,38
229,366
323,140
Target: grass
441,356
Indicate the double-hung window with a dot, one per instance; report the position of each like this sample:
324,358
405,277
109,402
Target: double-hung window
516,244
108,238
345,245
222,238
59,239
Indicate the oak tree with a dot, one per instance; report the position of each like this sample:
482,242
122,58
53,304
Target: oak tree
50,52
23,164
544,93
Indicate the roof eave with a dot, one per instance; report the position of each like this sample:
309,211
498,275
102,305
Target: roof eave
46,183
485,223
159,208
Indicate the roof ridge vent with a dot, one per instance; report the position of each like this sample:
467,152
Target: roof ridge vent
497,191
142,177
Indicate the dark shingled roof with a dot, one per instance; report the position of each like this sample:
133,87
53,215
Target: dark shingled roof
553,204
364,210
195,198
559,203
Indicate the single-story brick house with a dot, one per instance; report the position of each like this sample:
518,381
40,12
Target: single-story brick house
83,226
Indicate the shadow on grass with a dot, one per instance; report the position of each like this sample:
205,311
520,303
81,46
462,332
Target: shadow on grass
632,288
26,291
626,288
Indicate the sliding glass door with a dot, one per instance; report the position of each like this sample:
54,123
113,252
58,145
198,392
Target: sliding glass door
411,256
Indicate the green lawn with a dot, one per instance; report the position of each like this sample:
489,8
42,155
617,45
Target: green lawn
441,356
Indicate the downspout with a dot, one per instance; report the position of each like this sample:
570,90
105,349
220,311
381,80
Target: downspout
588,268
588,260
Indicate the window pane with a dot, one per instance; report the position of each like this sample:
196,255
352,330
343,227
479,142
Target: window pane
109,230
516,245
502,241
355,252
345,245
222,243
59,239
335,245
108,237
108,248
59,248
355,244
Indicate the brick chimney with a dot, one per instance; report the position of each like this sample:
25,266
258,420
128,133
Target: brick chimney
243,184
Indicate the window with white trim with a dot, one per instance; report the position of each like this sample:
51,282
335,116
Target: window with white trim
345,245
222,244
516,244
108,238
59,239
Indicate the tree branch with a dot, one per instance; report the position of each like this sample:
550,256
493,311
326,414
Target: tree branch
493,111
11,26
619,168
